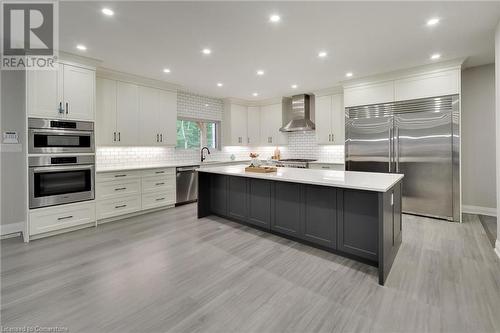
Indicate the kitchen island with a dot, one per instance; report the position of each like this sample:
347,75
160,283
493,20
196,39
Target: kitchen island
353,214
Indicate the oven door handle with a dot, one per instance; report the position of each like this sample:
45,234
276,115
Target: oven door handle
62,168
59,132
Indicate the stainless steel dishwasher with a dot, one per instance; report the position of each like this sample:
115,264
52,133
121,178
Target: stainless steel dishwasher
187,184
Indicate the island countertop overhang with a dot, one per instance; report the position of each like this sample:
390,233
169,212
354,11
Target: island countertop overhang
367,181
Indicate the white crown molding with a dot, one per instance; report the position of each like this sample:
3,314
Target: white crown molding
78,60
405,73
329,91
136,79
479,210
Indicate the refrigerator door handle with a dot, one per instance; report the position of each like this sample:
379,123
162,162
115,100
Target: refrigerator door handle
390,149
397,149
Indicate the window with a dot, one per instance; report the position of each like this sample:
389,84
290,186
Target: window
195,133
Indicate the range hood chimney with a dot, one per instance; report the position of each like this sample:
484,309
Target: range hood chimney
298,111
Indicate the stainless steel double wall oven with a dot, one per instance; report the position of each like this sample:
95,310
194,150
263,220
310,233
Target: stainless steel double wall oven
61,162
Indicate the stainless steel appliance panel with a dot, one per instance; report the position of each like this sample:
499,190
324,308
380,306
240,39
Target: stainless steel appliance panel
369,144
186,184
423,154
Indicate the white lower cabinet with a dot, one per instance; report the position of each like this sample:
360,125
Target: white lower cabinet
120,193
50,219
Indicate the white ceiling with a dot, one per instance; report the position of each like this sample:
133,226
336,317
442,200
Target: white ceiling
362,37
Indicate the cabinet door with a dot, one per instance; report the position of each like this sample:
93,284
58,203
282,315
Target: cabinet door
79,92
218,199
276,122
149,109
320,221
253,126
337,120
44,98
259,202
127,120
265,134
238,125
287,208
358,211
106,112
323,121
382,92
168,118
428,85
237,198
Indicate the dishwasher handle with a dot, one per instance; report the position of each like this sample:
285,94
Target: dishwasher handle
184,169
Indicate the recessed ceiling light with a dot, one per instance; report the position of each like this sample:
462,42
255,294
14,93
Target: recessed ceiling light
349,74
206,51
260,72
435,56
81,47
255,94
322,54
274,18
107,12
166,70
219,84
294,86
433,21
206,105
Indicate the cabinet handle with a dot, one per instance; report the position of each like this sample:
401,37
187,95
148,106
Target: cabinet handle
157,137
160,199
114,136
325,167
67,107
116,176
120,188
61,110
64,217
333,138
159,171
119,136
158,184
161,137
248,140
120,206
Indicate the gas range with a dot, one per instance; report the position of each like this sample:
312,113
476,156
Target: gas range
302,163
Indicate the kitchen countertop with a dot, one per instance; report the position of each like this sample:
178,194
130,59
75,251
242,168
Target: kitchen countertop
369,181
113,168
327,162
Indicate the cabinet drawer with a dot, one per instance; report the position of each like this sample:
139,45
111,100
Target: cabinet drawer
158,199
118,206
59,217
119,175
158,172
118,188
327,166
154,184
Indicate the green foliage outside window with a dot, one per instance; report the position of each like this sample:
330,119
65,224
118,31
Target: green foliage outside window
189,134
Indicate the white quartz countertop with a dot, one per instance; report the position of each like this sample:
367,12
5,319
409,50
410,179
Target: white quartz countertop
369,181
147,166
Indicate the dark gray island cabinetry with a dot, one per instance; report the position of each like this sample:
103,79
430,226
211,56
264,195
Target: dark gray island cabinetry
354,214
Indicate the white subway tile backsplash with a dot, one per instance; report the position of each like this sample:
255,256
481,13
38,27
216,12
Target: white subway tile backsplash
300,145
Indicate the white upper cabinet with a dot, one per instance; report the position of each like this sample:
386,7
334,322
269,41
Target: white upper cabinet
106,112
428,85
133,115
271,121
330,120
127,115
65,93
79,92
149,120
167,120
253,126
235,125
376,93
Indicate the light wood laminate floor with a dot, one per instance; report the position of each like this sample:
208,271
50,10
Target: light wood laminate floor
169,271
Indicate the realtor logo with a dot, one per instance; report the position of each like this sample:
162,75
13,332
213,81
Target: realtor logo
29,35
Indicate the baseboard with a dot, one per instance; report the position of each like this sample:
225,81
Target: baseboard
497,248
479,210
11,228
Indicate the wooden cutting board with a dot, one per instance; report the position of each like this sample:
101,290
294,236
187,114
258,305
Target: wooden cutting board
267,169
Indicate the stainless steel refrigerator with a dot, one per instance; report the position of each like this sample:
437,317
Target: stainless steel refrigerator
418,138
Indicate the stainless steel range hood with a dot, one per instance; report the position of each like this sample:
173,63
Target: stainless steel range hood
298,111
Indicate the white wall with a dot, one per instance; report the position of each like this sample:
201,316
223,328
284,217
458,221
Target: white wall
13,164
497,89
478,140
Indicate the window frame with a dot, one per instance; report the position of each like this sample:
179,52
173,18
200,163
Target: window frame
203,139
